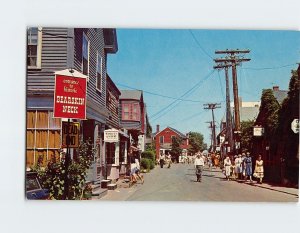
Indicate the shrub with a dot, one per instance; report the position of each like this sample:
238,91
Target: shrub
152,164
145,164
148,155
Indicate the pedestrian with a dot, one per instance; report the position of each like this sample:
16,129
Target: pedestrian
238,166
209,162
259,169
162,160
227,165
199,164
243,165
248,167
169,160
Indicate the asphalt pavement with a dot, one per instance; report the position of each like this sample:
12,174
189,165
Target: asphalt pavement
179,184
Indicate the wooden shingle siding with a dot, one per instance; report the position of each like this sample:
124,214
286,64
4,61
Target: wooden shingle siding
54,58
96,43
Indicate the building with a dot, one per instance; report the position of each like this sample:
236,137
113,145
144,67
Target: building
115,151
248,112
261,145
163,140
50,50
133,119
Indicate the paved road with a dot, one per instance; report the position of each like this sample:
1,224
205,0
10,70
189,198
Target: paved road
179,184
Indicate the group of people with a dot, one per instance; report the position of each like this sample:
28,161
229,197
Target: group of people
165,159
241,167
135,172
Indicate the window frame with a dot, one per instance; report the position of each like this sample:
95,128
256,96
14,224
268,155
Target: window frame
97,72
163,140
84,36
38,65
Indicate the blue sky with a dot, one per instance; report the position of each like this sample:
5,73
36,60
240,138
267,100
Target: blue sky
172,62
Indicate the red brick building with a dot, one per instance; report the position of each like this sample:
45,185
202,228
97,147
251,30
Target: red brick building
163,140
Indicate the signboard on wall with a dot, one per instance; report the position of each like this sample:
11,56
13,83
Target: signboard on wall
111,135
70,95
70,134
258,131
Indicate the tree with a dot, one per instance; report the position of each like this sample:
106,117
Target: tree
247,134
195,142
149,128
52,176
176,149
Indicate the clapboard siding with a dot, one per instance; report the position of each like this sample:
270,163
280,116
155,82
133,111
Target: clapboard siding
96,39
54,57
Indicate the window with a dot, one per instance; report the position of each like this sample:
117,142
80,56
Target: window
131,111
43,137
34,41
110,153
99,72
85,55
161,139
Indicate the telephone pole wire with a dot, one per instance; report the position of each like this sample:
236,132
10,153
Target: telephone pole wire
213,106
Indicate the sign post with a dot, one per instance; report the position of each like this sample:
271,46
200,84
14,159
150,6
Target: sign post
70,103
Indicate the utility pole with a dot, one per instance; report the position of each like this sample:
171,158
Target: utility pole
213,106
210,127
229,136
234,60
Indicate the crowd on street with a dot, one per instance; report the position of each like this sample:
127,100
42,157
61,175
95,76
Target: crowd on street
237,167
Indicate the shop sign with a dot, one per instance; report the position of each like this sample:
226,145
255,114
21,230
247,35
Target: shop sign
70,97
295,125
70,134
258,131
111,135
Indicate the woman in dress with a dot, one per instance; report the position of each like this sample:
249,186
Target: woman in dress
227,165
238,166
259,169
248,167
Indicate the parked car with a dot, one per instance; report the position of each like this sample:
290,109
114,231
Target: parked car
34,190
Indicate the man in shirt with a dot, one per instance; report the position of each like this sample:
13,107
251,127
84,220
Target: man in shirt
199,164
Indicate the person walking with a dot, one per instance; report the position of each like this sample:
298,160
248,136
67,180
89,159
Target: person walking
259,169
162,160
248,167
169,160
199,164
238,166
227,165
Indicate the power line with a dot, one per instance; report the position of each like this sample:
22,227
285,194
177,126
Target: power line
221,85
166,110
268,68
197,42
185,119
160,95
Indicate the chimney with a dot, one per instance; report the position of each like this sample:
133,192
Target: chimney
275,88
157,128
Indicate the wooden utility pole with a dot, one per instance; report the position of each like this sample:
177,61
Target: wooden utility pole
234,60
213,106
229,135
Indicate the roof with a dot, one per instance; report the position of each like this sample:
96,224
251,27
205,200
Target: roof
280,95
174,130
246,113
131,94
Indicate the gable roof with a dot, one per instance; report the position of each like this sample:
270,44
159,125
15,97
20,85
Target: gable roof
174,130
131,94
280,95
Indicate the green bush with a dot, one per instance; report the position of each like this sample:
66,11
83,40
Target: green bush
148,155
145,164
152,164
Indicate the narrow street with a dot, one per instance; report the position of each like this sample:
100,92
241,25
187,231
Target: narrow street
179,184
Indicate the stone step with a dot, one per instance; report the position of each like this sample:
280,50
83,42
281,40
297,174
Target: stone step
98,193
112,186
95,186
105,183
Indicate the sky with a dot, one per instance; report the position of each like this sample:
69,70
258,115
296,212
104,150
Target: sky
178,64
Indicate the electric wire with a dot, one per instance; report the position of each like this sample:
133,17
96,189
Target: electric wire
197,42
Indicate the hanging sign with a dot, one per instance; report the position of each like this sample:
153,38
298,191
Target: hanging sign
70,96
70,134
258,131
111,135
295,125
